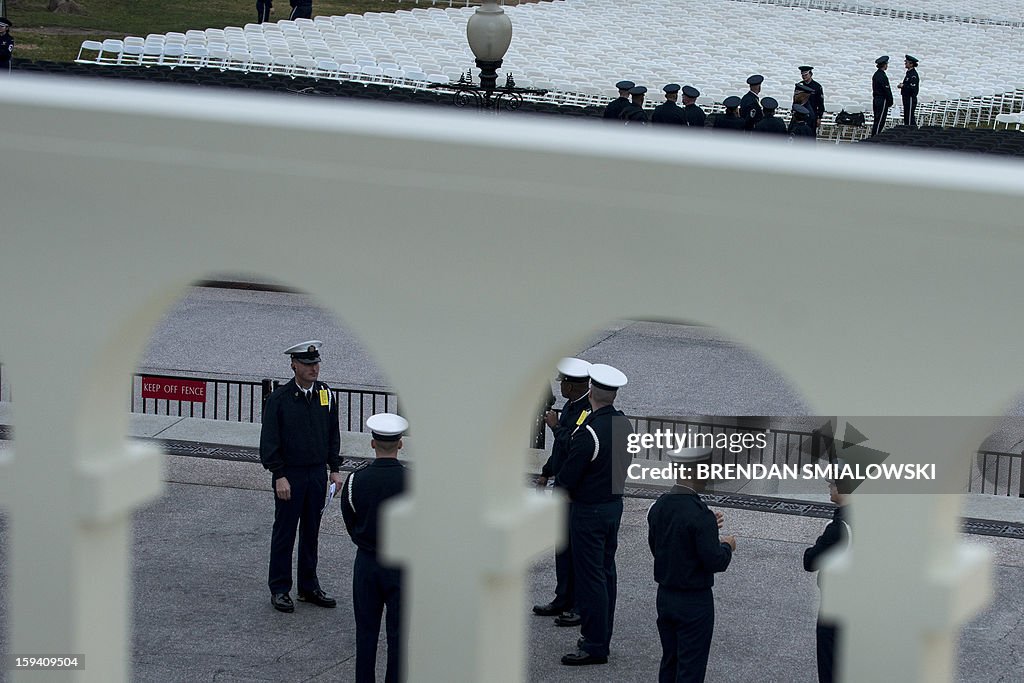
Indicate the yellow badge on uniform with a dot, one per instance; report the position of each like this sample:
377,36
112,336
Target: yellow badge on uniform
583,416
325,397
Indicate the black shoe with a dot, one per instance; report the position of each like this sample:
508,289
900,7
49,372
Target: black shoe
548,610
319,598
569,618
581,658
282,602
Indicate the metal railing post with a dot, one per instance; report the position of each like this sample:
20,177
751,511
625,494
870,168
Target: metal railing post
268,387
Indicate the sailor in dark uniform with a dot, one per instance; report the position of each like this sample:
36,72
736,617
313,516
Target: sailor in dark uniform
633,113
798,126
683,536
668,111
300,439
804,94
616,106
730,119
881,94
695,116
574,381
750,105
771,123
594,476
836,535
375,586
6,45
908,91
817,101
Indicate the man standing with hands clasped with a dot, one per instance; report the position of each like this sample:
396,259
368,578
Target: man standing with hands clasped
683,535
299,441
908,90
881,94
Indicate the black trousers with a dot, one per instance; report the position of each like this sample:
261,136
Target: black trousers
565,589
881,111
910,110
302,514
262,11
594,533
375,587
686,622
302,12
825,640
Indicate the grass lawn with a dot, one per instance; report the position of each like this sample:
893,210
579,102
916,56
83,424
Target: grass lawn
39,34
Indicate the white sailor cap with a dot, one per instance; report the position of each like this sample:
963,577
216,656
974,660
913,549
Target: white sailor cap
387,426
606,377
690,455
307,352
573,370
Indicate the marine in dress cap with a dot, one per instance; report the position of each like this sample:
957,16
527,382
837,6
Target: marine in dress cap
770,103
671,88
387,426
805,69
690,455
732,102
625,85
911,58
573,370
690,91
606,377
755,79
638,90
307,352
884,59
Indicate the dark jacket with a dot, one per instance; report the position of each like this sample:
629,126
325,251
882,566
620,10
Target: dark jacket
835,533
816,103
771,124
750,110
911,84
880,87
668,112
6,49
595,471
800,129
683,536
569,419
615,108
298,432
362,495
725,122
633,113
695,116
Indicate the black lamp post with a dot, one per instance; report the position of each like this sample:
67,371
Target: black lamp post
489,33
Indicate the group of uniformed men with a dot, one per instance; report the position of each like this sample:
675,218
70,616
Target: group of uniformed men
300,441
300,445
589,461
752,113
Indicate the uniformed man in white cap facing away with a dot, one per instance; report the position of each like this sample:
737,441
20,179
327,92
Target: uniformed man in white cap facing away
299,441
683,535
574,383
375,586
594,476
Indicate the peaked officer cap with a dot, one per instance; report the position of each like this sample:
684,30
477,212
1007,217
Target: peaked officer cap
770,103
606,377
4,21
387,426
574,369
638,90
884,59
801,109
805,69
625,85
732,102
911,58
307,352
756,79
803,87
690,91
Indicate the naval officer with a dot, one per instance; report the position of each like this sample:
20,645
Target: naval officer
616,106
574,384
750,104
375,586
594,476
688,552
300,439
881,95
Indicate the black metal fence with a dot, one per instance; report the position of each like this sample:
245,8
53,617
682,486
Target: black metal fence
998,473
242,401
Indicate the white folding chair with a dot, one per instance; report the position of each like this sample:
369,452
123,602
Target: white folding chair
92,46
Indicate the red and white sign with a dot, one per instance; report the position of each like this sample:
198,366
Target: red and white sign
174,389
